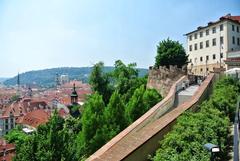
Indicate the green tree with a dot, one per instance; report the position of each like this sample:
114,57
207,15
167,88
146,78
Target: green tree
99,81
91,137
170,52
135,106
16,136
150,98
114,115
141,101
51,142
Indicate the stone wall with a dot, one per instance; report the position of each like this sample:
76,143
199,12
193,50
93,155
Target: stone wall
162,78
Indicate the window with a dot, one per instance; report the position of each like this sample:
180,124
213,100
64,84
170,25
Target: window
201,45
190,38
6,121
221,40
207,32
214,30
207,43
195,46
207,69
201,34
238,41
214,42
201,69
237,29
233,40
207,58
6,127
233,28
195,36
221,55
201,59
190,47
221,27
214,56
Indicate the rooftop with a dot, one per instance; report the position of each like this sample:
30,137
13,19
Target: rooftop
228,17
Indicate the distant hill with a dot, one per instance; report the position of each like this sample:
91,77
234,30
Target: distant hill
46,77
3,79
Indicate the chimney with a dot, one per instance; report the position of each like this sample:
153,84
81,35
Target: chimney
228,15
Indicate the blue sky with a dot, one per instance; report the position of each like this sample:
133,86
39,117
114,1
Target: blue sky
38,34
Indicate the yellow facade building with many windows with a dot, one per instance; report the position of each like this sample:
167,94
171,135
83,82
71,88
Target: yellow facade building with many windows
208,46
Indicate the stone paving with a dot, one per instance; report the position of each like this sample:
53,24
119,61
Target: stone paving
189,91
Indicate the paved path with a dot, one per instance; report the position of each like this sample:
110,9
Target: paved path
189,91
185,95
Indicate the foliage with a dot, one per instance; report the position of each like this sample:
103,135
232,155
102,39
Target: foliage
75,110
116,93
16,136
141,101
92,137
123,76
125,80
99,81
170,52
225,96
51,142
209,125
114,115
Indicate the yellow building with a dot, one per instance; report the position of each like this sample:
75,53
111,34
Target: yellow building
208,46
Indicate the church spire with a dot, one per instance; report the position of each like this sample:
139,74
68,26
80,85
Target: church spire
74,95
18,84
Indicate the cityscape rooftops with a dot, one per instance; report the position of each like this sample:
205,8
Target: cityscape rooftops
34,118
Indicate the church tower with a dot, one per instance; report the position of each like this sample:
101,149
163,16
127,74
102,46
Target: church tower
18,85
74,95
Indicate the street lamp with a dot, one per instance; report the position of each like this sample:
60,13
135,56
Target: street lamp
213,149
206,66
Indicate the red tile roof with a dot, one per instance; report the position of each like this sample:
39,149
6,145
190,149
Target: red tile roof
8,149
234,18
35,118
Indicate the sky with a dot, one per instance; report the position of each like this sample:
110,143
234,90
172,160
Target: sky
39,34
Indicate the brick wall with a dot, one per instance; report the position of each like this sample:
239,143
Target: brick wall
163,78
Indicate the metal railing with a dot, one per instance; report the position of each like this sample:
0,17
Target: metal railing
236,133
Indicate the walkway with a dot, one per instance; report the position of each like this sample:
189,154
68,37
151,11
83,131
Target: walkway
139,143
185,95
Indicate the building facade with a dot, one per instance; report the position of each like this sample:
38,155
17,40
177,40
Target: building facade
209,45
7,123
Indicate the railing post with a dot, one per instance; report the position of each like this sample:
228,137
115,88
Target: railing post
236,133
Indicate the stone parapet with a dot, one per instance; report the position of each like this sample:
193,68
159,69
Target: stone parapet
162,78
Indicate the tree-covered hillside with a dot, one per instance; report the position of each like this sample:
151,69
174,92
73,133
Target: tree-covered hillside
3,79
46,77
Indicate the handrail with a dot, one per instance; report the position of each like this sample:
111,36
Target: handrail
236,133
